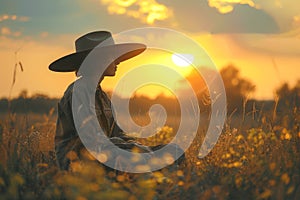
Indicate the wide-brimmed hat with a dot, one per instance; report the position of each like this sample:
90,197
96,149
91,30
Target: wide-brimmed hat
103,42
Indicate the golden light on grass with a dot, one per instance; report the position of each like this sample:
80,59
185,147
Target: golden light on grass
121,178
285,178
75,166
142,168
154,161
180,173
240,158
72,155
272,166
168,158
86,154
136,158
102,157
180,183
285,135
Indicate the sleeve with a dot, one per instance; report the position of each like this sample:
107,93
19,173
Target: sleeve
66,138
85,118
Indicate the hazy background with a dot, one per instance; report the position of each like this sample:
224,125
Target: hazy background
261,38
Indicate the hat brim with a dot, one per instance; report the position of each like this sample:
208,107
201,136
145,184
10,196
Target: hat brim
72,62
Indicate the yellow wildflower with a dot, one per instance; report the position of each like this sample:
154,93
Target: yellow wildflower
285,178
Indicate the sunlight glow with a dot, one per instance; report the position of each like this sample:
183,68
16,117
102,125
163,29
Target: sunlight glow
227,6
148,11
182,60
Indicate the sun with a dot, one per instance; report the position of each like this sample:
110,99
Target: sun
182,60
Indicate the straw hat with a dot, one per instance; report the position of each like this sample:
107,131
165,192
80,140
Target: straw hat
101,41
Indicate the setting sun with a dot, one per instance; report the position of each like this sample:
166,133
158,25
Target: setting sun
182,60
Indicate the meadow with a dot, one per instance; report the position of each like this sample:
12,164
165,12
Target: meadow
256,157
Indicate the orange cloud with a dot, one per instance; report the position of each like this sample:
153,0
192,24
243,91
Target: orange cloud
6,31
227,6
13,18
148,11
296,21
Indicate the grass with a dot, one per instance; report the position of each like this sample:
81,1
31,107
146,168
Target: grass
260,161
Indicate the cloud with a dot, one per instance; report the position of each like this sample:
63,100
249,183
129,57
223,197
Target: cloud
246,19
5,31
147,11
296,21
282,11
199,16
227,6
13,18
272,45
8,32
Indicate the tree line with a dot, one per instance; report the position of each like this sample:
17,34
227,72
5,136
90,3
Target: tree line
237,88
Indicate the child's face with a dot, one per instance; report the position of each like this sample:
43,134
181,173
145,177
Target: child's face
111,69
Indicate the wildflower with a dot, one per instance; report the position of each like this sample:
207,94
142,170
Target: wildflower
231,150
143,168
237,164
272,182
120,178
288,136
180,183
266,194
45,165
157,174
285,135
290,190
159,177
239,137
227,155
72,155
179,173
136,158
285,178
168,158
272,166
75,166
238,181
102,157
244,158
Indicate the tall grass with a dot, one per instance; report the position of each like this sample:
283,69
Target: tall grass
262,162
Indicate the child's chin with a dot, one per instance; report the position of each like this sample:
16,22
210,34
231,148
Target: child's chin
111,74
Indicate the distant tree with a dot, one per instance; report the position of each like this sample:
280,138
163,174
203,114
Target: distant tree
288,107
289,97
200,88
237,88
23,94
37,103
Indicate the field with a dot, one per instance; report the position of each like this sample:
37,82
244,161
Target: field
256,157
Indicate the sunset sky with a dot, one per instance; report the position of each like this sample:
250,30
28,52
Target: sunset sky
260,37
